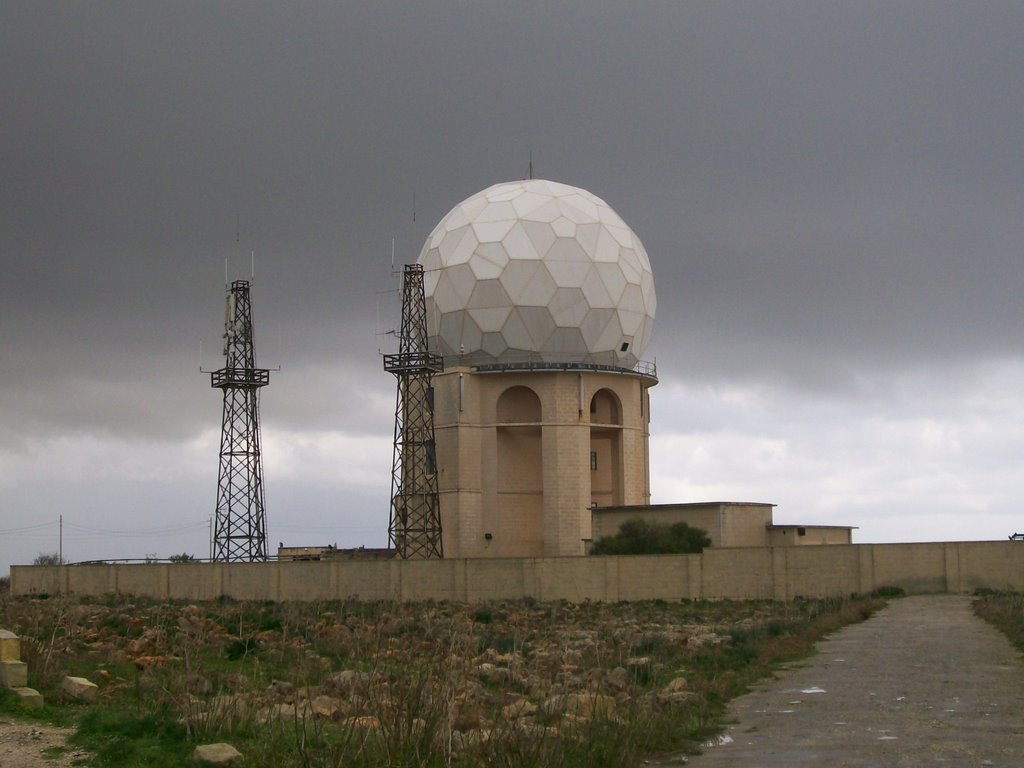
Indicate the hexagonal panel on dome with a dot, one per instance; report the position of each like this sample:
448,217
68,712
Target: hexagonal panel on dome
528,283
568,307
489,294
537,270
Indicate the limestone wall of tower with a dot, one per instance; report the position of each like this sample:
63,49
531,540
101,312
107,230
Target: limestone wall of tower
520,462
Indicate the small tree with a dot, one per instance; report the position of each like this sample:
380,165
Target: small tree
639,537
184,557
48,558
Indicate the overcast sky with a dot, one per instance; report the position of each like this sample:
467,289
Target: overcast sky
831,194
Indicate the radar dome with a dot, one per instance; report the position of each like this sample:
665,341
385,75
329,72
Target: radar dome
537,271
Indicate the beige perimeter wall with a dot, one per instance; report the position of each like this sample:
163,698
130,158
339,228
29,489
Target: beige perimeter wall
780,573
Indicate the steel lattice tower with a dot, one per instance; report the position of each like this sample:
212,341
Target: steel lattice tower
415,527
240,529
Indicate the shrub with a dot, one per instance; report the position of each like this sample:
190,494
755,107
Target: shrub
47,558
639,537
889,591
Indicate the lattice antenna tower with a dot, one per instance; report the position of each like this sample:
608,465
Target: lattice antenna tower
240,525
415,528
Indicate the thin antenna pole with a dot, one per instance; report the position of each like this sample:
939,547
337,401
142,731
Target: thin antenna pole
252,266
414,205
238,227
200,355
392,255
225,272
531,163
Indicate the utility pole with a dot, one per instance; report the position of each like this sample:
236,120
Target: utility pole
240,529
415,527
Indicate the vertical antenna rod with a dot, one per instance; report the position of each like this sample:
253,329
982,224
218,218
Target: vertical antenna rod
240,524
415,527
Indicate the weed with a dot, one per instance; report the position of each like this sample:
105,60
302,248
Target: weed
239,649
1005,611
483,615
889,591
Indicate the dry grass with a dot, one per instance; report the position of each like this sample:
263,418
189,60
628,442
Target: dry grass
1005,611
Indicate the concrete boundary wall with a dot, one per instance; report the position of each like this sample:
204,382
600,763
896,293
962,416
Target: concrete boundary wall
780,573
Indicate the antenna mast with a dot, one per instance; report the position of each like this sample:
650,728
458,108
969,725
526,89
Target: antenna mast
240,529
415,527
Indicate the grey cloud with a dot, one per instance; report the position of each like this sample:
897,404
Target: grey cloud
823,188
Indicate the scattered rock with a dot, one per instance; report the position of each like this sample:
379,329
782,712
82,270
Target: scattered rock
148,662
277,712
518,709
217,754
467,716
675,699
677,685
79,688
197,684
585,706
327,707
29,698
617,679
363,723
148,644
347,681
281,688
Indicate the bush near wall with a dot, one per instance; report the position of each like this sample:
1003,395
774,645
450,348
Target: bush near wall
639,537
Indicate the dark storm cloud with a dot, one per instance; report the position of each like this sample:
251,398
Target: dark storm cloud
814,176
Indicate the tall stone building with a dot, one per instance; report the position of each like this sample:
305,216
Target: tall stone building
541,300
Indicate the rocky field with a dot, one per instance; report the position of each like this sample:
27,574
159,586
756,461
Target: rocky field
383,684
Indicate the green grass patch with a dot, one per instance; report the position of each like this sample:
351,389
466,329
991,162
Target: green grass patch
11,705
116,738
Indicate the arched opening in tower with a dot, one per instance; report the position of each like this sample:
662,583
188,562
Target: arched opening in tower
606,470
517,522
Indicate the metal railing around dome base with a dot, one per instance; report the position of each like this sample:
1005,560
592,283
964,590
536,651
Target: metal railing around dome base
646,368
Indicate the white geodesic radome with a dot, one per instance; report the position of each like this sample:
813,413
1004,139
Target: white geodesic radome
537,270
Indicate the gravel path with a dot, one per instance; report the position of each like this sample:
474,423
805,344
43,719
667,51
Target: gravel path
923,683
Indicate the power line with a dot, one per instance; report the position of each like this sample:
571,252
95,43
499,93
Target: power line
138,531
36,527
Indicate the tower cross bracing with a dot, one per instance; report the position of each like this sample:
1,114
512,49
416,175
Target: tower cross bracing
414,530
240,525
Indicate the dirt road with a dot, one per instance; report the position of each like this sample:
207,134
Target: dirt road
923,683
